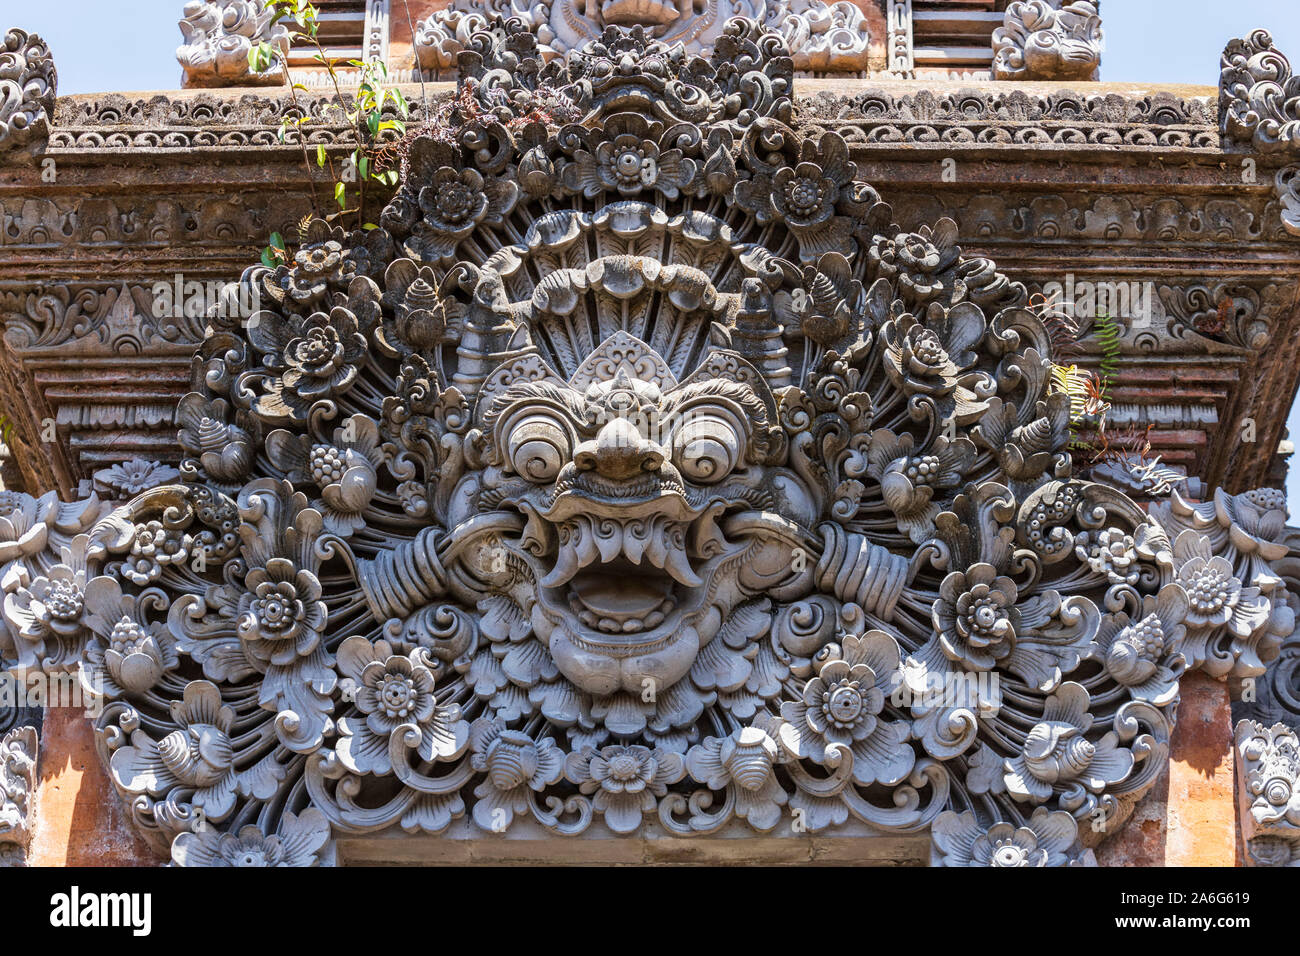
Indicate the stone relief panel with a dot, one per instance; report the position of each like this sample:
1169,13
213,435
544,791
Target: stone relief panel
28,82
1048,40
638,471
821,37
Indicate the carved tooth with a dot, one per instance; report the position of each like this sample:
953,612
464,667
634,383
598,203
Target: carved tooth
567,565
610,545
678,567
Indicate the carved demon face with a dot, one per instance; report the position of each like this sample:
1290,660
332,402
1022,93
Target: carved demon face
633,487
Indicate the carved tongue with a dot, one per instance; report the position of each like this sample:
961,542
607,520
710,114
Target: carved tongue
620,596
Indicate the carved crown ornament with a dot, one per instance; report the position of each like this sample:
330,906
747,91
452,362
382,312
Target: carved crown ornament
636,475
28,82
1259,109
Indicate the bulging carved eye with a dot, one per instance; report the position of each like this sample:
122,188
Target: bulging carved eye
539,447
706,447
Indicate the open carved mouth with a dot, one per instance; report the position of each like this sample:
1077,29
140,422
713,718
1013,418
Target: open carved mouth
623,581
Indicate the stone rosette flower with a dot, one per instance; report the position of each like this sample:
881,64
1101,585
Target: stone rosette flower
515,767
154,548
392,691
805,195
922,263
626,780
45,613
743,762
320,265
841,711
320,362
1047,838
346,471
975,618
1218,603
1146,655
280,615
421,319
451,206
931,356
1057,756
128,478
1111,552
628,161
301,840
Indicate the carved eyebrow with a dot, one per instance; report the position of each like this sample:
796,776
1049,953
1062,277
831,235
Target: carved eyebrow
543,393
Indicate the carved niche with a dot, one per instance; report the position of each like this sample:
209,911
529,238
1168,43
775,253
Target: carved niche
820,36
635,474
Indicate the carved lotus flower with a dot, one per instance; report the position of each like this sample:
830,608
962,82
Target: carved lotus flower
1218,603
224,450
46,614
421,318
627,160
805,195
199,754
393,691
919,262
1049,838
976,617
744,763
515,765
909,479
24,522
299,842
1145,655
841,709
1057,755
626,780
280,614
346,471
928,357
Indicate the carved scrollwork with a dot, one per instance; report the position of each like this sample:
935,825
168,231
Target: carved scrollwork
218,37
821,37
28,82
1048,40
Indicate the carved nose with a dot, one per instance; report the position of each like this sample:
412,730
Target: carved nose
619,451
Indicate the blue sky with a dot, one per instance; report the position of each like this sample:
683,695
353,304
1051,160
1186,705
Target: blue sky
98,45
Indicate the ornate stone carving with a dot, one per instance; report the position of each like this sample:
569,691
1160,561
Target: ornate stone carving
218,37
28,82
1046,40
1259,95
821,37
18,749
1268,790
637,471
